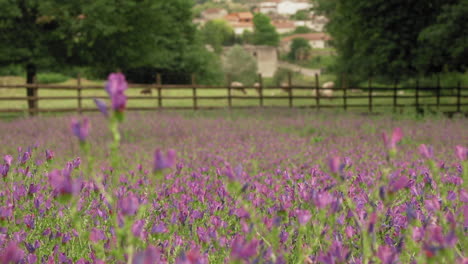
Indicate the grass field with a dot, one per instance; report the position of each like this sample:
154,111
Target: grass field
300,102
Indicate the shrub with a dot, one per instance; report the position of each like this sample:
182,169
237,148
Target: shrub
51,77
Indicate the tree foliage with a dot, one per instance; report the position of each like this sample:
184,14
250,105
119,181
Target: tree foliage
396,39
218,33
264,32
302,30
103,34
240,65
300,49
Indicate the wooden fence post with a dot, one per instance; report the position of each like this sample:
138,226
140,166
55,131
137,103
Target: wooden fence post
35,95
229,90
290,90
459,97
417,96
438,92
78,81
194,93
317,92
395,95
370,94
345,93
260,89
159,87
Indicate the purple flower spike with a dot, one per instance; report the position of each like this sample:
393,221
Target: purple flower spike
387,255
426,152
335,164
8,159
11,254
461,152
80,130
97,235
128,204
101,106
162,162
398,184
4,169
243,250
149,256
61,182
115,87
49,154
303,216
390,143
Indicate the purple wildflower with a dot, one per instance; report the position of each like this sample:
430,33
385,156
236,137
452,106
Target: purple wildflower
80,130
240,249
426,152
128,204
162,162
398,184
4,169
62,183
461,152
303,216
49,154
8,159
115,87
390,143
101,105
387,255
97,235
149,256
335,164
11,254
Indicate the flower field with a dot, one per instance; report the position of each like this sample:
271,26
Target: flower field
255,186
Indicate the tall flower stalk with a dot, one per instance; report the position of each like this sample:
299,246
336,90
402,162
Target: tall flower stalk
115,87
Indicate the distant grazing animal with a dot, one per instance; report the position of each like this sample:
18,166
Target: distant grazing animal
284,86
327,92
146,91
257,87
238,86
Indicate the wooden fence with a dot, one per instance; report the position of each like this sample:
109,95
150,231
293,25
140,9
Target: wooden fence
368,94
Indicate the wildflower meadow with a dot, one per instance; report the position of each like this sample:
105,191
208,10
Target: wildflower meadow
246,186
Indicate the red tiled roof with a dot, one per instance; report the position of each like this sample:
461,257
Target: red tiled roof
308,36
245,15
212,10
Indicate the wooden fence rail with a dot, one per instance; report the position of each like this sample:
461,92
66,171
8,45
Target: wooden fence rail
367,94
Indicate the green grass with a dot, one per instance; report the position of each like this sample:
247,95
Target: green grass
299,80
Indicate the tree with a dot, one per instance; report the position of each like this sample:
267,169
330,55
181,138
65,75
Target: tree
247,37
445,42
103,34
300,49
301,15
302,30
382,37
218,33
240,65
264,32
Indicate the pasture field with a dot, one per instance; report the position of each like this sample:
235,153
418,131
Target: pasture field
246,186
269,102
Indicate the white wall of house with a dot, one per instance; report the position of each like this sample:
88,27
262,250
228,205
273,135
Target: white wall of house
284,30
214,15
291,7
240,30
317,44
316,26
268,7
